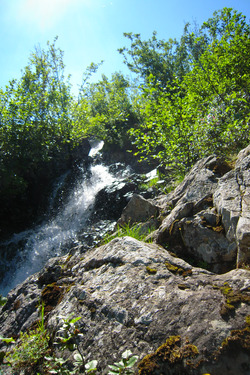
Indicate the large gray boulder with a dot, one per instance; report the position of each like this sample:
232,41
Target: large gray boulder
207,217
138,210
133,295
180,319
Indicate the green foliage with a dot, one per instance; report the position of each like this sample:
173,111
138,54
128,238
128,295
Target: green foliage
91,367
104,110
160,59
204,110
220,82
33,351
224,126
167,132
149,184
125,365
193,100
8,340
35,120
68,332
134,231
67,337
30,349
55,365
3,300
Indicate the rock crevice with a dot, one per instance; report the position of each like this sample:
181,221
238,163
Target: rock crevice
179,316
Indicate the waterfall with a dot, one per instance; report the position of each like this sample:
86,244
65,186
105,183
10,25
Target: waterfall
50,239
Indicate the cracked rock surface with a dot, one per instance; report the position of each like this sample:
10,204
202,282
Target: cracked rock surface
232,200
175,314
124,306
209,218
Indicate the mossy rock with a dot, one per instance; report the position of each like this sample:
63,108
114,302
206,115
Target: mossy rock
151,271
238,341
178,270
233,299
51,296
171,354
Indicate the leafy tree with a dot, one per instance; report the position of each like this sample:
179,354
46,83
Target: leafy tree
35,117
223,66
193,100
206,108
168,128
163,60
105,110
220,82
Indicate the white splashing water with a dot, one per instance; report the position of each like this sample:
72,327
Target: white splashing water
47,240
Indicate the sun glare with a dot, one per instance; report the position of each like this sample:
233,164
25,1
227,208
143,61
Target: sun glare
44,13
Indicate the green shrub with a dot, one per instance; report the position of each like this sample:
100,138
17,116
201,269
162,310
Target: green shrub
134,231
30,349
125,365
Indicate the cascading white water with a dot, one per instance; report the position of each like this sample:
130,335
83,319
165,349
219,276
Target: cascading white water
48,239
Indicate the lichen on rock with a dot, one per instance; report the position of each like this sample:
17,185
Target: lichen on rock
156,299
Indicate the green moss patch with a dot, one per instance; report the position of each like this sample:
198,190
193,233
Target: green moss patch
237,342
52,295
151,271
233,298
171,353
178,270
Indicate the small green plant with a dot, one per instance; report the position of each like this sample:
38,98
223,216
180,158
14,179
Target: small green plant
125,365
68,332
7,339
134,231
90,367
33,354
150,183
68,337
55,365
3,300
31,347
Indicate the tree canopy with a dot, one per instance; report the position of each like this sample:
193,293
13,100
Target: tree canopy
192,99
35,117
206,108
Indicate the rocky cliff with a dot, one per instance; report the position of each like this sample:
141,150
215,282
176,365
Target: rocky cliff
210,219
179,301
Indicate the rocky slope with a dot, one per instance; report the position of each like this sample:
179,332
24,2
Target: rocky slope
178,317
210,220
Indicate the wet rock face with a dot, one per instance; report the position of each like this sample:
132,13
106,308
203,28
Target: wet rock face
21,211
133,295
111,200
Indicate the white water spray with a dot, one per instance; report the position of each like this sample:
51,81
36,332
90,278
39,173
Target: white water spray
48,239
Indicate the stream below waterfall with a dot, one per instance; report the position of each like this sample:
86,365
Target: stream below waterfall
56,235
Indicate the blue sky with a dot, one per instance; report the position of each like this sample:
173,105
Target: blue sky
92,30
